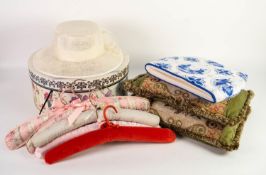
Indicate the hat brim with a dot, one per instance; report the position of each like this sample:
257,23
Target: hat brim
45,62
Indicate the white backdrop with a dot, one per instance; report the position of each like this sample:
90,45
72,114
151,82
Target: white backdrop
229,31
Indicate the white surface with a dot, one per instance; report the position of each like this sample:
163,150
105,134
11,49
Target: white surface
229,31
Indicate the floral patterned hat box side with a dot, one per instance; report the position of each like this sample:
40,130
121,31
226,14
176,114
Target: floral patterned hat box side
83,58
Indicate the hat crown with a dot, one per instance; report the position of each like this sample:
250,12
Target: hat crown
77,41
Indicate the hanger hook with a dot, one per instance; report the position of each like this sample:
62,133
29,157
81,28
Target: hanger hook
105,115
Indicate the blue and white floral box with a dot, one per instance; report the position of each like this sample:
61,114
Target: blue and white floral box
204,78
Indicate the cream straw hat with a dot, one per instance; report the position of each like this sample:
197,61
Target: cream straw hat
80,49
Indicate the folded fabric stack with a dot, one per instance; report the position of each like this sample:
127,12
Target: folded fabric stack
67,129
195,97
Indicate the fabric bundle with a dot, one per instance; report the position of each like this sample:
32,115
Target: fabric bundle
189,113
207,79
67,129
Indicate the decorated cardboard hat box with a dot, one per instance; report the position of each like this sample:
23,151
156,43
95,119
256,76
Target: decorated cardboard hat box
83,58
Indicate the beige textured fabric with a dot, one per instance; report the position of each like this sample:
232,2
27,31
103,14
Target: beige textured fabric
195,124
228,112
47,134
131,115
199,128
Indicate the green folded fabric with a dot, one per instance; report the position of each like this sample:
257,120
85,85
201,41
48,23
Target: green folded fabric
199,128
228,112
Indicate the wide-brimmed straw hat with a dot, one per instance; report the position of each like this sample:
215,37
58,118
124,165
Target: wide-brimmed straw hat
80,49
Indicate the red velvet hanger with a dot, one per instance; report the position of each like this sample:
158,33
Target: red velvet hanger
109,132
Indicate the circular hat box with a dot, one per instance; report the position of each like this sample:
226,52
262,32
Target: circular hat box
82,59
